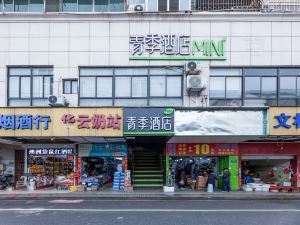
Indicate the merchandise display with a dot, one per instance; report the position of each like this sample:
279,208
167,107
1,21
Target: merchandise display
98,172
273,175
51,171
190,172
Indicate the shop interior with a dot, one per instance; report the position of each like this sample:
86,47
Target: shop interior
191,172
263,173
48,171
267,171
98,173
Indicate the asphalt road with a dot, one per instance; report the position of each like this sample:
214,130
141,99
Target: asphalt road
148,212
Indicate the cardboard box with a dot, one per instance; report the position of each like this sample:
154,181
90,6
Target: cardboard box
201,182
128,189
80,188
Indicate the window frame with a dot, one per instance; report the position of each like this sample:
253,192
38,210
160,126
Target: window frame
225,98
31,98
60,7
114,76
281,72
71,86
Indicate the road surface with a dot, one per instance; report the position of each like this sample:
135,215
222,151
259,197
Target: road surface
149,212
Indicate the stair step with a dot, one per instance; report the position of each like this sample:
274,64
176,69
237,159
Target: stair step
146,171
147,180
147,167
147,185
147,175
146,164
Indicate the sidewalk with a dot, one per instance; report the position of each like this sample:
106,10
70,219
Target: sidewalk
150,194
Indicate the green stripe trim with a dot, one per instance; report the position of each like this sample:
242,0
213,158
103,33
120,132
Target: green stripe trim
175,58
152,132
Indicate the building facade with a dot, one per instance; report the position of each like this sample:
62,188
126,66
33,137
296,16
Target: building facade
170,92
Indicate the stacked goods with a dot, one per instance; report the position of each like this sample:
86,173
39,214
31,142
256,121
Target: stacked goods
201,182
116,183
256,187
80,188
128,189
91,183
122,182
127,178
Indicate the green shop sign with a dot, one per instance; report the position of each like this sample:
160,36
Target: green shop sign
148,121
175,47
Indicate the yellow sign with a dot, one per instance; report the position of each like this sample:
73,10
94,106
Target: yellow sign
284,120
105,122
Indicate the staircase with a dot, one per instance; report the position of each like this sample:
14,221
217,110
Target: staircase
147,172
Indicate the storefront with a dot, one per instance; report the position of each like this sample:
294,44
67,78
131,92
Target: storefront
188,165
273,164
50,165
207,141
101,166
10,163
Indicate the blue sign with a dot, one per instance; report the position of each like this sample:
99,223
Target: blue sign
103,150
24,121
283,121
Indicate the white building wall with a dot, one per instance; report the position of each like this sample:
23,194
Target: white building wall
70,41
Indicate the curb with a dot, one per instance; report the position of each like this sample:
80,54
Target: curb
36,196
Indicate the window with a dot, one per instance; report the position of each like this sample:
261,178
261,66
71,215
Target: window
152,5
233,87
36,6
217,87
130,86
184,5
8,5
29,86
225,87
63,5
157,86
70,86
269,87
104,87
69,6
85,5
261,86
23,5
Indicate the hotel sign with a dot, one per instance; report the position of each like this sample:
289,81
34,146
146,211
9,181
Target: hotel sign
175,47
148,121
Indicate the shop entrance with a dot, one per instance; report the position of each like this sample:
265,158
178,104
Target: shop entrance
258,170
98,172
188,165
191,173
103,166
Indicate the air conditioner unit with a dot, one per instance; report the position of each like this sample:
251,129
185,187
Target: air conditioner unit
59,100
192,69
194,83
136,8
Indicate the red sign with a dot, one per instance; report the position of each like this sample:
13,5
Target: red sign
202,149
96,121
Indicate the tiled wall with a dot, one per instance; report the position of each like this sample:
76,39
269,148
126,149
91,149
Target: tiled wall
69,44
